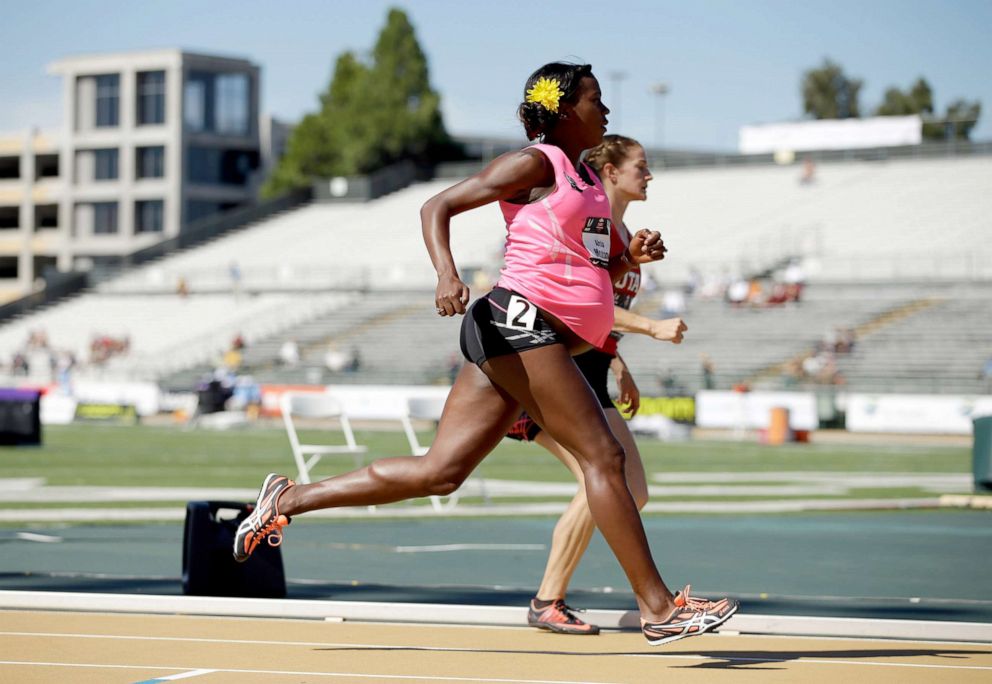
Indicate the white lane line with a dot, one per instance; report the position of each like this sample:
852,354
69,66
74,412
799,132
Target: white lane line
34,537
437,548
181,675
303,673
454,649
184,675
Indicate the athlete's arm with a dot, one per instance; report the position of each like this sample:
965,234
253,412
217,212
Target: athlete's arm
667,330
512,176
629,397
645,246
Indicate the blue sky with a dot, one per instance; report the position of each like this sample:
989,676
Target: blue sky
726,63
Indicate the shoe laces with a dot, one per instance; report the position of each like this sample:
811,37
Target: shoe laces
686,600
568,611
273,531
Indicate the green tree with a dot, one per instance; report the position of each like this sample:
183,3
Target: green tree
917,100
828,93
370,116
960,117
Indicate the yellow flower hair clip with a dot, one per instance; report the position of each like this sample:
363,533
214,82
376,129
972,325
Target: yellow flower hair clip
546,92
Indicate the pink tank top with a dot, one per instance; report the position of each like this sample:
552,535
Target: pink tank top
558,250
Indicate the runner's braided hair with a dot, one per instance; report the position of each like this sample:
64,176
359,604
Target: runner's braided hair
613,150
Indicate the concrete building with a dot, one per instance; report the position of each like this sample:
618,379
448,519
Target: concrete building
151,142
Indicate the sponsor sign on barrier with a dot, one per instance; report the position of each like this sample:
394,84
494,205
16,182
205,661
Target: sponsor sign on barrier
679,409
752,410
116,413
360,402
916,413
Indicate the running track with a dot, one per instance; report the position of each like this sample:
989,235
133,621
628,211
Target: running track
104,647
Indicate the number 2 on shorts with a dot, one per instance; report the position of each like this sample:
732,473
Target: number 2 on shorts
520,313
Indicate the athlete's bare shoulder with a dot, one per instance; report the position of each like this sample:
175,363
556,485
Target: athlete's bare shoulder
532,171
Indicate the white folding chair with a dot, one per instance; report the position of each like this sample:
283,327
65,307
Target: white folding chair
316,405
429,408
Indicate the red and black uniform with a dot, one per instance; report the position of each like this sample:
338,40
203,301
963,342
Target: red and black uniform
595,363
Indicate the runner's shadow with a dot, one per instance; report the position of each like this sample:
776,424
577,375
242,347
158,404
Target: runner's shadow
723,660
752,660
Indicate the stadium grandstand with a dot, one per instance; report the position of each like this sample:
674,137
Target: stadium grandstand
893,252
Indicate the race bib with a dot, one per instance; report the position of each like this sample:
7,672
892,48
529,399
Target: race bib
596,238
520,313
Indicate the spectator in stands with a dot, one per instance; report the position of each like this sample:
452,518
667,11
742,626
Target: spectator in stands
454,365
232,359
520,338
19,365
672,303
246,395
354,360
779,295
234,271
708,371
737,291
986,375
622,166
669,384
694,282
64,361
335,359
289,353
795,280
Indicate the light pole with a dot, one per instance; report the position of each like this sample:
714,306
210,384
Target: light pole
659,90
616,78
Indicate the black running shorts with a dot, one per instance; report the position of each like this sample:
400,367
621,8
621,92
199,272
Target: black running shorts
503,322
595,366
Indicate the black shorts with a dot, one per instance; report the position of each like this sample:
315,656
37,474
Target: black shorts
594,366
503,322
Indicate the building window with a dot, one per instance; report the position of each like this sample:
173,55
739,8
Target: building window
198,102
10,167
217,103
151,97
104,218
46,216
212,166
10,217
46,166
232,104
8,267
105,164
149,216
108,100
150,162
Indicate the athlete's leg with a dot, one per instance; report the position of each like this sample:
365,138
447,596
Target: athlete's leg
574,529
475,418
636,479
550,388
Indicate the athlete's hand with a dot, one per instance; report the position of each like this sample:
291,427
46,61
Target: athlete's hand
630,397
451,295
669,330
647,246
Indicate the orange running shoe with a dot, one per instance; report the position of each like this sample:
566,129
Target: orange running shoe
265,521
558,617
692,616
